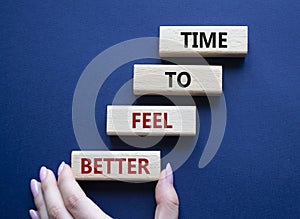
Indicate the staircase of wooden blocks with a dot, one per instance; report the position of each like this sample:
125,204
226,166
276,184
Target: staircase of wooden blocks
179,80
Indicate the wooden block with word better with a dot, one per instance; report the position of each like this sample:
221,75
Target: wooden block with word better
151,120
138,166
207,41
177,80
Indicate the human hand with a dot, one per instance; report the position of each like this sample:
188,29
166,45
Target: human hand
65,199
166,196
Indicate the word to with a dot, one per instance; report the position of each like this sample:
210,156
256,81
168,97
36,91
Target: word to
177,80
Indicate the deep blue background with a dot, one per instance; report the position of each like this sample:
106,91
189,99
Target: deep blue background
45,45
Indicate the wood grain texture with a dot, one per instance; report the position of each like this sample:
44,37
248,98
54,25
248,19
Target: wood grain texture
151,120
137,166
156,79
172,41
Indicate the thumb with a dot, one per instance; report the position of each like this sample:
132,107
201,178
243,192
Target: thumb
166,196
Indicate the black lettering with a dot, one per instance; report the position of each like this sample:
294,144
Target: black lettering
186,41
212,39
195,45
188,81
221,40
170,77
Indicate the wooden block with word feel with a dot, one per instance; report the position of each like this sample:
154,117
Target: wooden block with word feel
138,166
177,80
151,120
207,41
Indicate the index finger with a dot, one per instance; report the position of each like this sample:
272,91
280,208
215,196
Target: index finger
77,203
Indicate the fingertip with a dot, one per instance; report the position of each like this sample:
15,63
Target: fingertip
34,187
60,168
33,214
67,168
169,168
43,173
66,172
169,173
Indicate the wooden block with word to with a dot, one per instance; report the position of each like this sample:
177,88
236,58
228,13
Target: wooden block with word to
151,120
207,41
177,80
138,166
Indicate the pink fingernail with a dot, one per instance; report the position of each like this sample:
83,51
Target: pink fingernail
60,168
34,186
33,214
43,173
169,173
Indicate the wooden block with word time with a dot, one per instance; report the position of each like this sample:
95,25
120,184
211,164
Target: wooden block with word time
207,41
151,120
138,166
177,80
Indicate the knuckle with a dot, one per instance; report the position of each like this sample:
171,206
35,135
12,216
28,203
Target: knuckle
72,202
55,212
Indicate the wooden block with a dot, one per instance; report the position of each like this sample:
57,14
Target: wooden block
208,41
139,166
151,120
177,80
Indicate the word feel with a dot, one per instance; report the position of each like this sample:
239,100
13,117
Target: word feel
150,120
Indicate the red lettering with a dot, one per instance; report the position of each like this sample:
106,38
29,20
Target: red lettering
131,166
97,165
86,166
143,163
145,120
156,120
108,160
166,121
120,160
134,119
